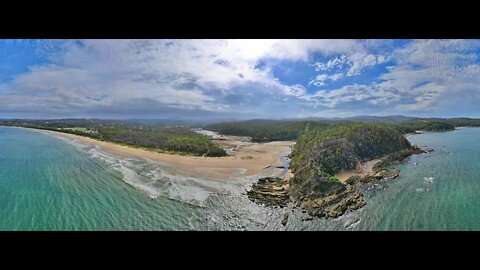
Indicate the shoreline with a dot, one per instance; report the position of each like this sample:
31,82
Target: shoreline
248,160
364,169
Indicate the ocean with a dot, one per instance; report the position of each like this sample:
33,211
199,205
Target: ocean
51,183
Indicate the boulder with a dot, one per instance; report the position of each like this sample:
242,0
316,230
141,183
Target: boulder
285,219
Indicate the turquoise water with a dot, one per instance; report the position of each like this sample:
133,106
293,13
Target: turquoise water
47,183
435,191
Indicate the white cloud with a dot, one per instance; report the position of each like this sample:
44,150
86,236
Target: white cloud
362,95
173,73
433,75
320,79
361,61
336,77
337,62
223,75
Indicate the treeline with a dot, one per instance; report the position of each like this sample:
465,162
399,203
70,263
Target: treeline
319,154
437,124
177,139
279,130
342,146
267,130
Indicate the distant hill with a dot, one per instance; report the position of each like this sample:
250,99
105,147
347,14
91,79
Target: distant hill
263,130
362,118
382,119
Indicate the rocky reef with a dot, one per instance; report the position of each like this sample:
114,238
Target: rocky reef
335,204
339,199
270,191
317,157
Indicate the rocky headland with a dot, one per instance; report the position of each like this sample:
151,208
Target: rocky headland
318,156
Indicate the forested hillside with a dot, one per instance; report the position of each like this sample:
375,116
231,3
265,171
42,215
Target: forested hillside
267,130
318,155
278,130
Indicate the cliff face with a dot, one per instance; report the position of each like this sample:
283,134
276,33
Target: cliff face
318,156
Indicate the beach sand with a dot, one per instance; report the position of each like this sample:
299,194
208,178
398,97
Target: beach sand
249,158
363,170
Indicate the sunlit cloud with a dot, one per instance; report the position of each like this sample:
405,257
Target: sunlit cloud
238,78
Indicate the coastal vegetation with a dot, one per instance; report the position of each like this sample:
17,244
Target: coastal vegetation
323,149
267,130
161,138
280,130
425,125
319,154
343,146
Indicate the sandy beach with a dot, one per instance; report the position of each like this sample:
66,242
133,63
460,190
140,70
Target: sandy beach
363,170
248,159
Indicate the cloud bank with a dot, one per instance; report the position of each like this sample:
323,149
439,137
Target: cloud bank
239,78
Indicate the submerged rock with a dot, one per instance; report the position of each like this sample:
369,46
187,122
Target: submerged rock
393,175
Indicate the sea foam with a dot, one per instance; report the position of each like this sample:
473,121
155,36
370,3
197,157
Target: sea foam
151,177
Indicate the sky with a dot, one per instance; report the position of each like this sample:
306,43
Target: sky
238,79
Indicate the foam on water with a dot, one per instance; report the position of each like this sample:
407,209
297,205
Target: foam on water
149,177
435,191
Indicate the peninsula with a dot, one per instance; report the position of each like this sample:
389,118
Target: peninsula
331,161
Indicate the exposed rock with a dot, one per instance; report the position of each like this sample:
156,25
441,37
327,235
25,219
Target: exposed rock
270,191
285,219
334,205
343,198
353,180
315,190
397,157
352,202
379,175
393,175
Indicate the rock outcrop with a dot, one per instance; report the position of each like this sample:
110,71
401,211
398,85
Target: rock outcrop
335,205
318,156
270,191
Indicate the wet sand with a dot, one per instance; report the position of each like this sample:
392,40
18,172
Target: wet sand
249,158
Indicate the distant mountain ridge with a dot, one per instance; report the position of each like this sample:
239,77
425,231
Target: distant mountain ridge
365,118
